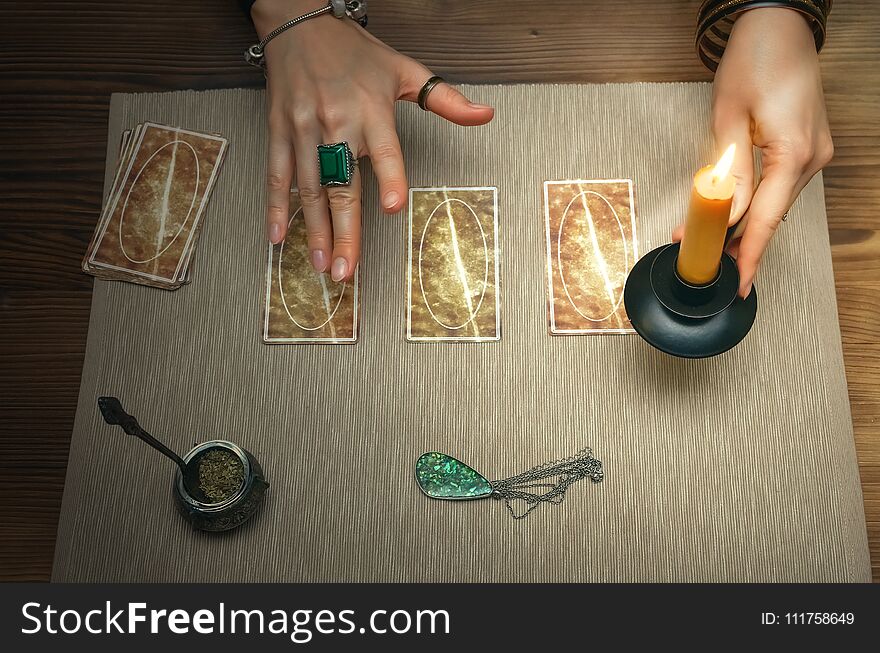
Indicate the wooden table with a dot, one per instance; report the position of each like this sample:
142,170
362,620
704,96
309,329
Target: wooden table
61,61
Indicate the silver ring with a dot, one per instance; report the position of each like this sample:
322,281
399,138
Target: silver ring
426,90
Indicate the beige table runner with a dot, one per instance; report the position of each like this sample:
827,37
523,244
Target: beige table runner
738,468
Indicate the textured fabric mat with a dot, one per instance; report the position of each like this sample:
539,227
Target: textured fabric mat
737,468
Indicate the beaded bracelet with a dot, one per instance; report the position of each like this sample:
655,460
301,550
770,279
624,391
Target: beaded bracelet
716,17
354,9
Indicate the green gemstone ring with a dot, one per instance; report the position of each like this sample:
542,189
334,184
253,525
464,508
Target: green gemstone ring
336,164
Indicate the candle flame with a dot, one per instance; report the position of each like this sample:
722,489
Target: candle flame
722,168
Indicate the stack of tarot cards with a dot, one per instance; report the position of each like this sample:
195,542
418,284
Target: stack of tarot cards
150,224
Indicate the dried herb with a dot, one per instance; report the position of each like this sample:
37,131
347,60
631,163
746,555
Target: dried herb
220,475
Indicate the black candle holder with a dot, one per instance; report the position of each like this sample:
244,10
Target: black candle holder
682,319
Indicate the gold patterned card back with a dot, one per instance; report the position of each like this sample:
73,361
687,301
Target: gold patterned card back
452,272
591,247
154,218
304,306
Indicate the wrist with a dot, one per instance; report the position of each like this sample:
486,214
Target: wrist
787,25
269,14
718,20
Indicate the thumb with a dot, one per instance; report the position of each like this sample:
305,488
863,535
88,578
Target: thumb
444,100
447,102
738,131
743,170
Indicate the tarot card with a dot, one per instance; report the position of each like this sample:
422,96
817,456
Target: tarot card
123,146
452,272
304,306
591,247
121,163
154,217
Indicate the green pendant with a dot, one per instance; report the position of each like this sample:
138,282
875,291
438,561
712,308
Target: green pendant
443,477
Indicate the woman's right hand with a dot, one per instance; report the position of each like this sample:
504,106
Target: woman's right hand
329,80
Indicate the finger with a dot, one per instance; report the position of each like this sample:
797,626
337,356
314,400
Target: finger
733,248
773,197
678,233
279,175
443,100
316,212
345,212
387,161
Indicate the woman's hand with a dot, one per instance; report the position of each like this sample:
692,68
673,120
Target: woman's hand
768,92
329,80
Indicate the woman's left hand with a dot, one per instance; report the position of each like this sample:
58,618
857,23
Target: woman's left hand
768,93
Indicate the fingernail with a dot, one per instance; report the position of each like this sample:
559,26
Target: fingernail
391,199
746,291
340,268
275,233
319,261
477,105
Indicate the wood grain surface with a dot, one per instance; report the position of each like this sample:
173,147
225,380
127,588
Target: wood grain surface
60,61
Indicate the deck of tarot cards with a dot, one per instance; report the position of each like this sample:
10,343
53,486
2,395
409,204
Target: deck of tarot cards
150,223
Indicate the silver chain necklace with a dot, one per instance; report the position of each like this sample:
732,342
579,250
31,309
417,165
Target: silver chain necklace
566,472
440,476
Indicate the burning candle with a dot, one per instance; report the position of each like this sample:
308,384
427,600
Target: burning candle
706,223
